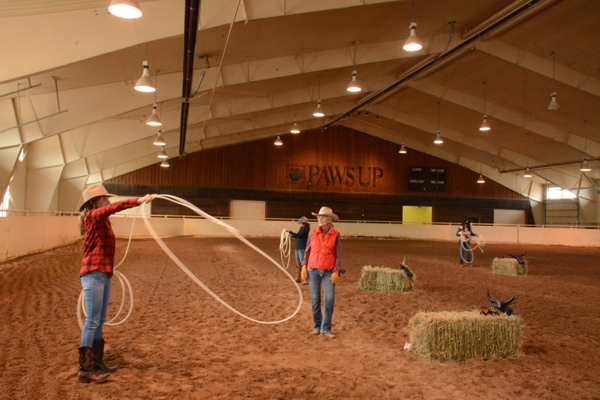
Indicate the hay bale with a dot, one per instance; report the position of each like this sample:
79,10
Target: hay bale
509,266
384,279
443,336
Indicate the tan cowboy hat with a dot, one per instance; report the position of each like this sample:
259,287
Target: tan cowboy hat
92,192
302,220
327,212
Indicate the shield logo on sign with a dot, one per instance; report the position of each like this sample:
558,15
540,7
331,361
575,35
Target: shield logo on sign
296,173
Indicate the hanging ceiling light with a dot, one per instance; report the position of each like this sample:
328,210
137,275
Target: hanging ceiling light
162,153
402,149
319,111
438,134
129,9
484,125
354,86
159,141
480,179
295,128
412,43
438,138
278,141
527,173
144,84
154,119
585,166
553,106
165,163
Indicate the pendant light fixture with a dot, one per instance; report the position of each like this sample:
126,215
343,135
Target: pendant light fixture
553,106
319,111
162,153
354,87
527,173
584,165
154,119
438,134
165,163
295,129
480,179
402,149
144,84
129,9
278,141
413,43
159,141
484,125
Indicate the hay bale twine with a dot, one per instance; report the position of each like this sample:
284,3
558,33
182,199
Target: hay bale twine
383,279
509,266
443,336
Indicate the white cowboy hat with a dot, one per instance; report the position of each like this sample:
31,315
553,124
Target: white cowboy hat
327,212
92,192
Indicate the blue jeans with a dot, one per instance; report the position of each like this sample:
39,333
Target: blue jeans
315,277
96,292
299,256
465,252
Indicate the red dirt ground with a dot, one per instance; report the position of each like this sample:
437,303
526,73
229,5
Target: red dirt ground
180,343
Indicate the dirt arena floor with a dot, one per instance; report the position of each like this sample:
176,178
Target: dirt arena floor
180,343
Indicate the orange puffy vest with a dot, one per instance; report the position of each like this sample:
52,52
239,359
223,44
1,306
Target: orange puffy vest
322,249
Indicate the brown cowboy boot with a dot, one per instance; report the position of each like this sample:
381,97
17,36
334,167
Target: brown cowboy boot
87,373
98,352
298,270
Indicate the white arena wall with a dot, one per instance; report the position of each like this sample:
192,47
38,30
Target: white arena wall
21,235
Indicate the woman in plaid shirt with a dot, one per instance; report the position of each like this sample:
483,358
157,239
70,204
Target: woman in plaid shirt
96,270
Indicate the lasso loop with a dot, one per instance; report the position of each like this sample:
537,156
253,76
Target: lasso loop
285,245
233,231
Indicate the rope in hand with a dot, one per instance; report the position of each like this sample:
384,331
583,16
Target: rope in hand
285,245
180,264
467,247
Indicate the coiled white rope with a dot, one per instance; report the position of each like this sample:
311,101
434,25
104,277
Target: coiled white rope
285,246
465,244
178,262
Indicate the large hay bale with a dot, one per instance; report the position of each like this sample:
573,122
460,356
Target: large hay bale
384,279
509,266
443,336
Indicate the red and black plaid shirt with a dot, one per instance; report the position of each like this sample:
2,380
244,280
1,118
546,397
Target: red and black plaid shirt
99,239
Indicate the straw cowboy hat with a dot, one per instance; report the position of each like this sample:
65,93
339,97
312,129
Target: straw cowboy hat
327,212
92,192
302,220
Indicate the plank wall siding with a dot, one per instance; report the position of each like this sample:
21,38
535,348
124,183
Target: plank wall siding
361,173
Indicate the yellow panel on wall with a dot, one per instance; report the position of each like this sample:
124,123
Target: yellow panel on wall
416,215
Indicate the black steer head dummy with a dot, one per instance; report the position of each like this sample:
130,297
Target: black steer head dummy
519,259
405,268
501,306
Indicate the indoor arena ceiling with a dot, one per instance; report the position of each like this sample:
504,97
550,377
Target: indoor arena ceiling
67,98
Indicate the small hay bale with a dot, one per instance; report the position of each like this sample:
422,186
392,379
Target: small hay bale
443,336
383,279
509,266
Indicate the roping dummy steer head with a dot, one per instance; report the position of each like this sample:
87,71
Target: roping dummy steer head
501,306
405,268
519,258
